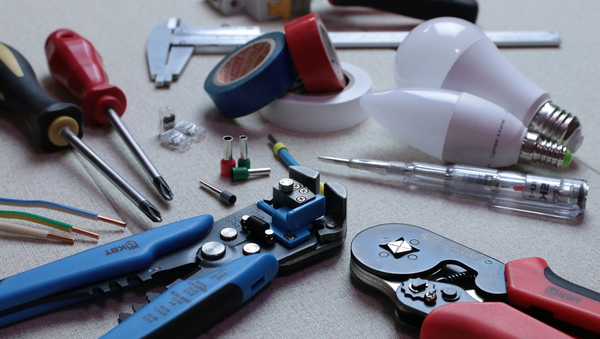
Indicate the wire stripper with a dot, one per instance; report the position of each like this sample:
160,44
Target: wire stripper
210,268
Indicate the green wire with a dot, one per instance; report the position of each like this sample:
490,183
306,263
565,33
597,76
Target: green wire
37,219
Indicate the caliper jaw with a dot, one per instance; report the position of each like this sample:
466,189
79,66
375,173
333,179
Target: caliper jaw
172,43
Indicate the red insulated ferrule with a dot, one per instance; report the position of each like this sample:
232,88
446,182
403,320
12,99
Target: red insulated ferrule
75,63
226,166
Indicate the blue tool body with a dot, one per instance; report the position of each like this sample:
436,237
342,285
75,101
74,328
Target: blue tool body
103,262
185,308
297,221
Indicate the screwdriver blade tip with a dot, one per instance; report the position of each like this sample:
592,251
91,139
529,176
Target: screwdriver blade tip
333,160
150,211
163,188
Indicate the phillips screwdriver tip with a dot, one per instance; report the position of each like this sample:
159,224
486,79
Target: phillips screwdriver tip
149,210
163,188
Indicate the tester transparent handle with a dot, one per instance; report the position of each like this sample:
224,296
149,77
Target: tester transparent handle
562,198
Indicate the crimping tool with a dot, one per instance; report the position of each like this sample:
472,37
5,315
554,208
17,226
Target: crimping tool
453,291
209,268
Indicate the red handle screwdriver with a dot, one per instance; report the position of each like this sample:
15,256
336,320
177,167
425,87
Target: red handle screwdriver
75,63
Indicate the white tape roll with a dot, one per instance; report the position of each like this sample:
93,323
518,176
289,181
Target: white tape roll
322,113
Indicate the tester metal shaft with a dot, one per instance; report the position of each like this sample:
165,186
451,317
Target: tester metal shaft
75,63
561,198
54,125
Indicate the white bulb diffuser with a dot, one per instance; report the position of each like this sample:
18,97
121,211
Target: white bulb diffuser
454,54
461,128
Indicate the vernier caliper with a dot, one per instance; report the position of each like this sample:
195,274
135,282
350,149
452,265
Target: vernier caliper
172,43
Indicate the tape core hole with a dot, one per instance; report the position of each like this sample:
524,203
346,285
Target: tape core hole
244,62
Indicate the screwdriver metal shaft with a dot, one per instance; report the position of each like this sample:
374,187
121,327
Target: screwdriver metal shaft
53,124
75,63
157,179
142,203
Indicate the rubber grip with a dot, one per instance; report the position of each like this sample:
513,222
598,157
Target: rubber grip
421,9
75,63
531,283
190,307
491,320
103,262
21,93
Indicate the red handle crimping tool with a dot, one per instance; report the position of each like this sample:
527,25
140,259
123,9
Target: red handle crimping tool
457,292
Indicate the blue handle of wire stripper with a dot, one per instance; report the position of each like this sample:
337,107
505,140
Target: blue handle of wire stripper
191,306
103,262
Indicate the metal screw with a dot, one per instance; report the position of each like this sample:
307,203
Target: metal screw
301,199
449,293
296,185
289,236
330,225
243,222
303,190
286,185
228,234
430,297
213,250
251,248
269,236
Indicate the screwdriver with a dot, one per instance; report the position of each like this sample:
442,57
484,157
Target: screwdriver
54,124
561,198
75,63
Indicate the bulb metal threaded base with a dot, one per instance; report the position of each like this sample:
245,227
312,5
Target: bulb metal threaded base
538,151
556,124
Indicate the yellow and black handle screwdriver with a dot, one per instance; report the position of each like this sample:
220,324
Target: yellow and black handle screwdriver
54,124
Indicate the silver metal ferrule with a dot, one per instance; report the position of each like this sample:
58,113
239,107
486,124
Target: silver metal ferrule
555,124
259,171
536,150
227,147
210,187
243,147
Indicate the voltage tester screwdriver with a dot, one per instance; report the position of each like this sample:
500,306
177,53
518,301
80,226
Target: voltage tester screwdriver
54,124
560,198
75,63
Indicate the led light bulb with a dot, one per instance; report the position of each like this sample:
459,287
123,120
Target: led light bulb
461,128
454,54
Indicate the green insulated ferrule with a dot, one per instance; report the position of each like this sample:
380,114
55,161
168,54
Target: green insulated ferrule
242,173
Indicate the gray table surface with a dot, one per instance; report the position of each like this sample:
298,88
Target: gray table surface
320,301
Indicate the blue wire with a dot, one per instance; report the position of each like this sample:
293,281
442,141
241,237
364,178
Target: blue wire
49,205
287,158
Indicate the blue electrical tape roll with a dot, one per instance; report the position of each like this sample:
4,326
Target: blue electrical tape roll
252,76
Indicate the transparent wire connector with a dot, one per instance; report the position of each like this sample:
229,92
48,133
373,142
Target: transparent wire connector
167,119
191,130
176,140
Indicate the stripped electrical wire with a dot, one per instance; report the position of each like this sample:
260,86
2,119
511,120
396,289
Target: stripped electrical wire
61,208
48,222
9,227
